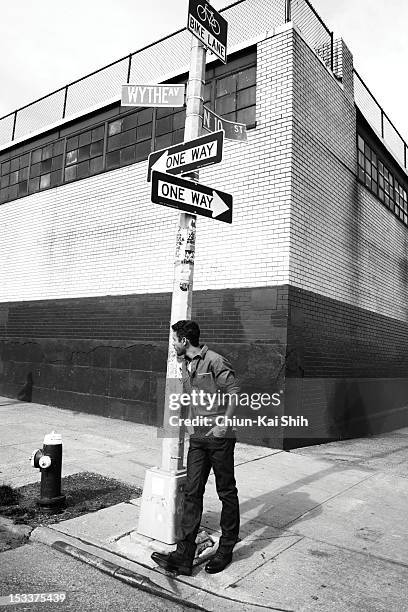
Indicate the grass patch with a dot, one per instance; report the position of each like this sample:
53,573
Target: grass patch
8,496
86,492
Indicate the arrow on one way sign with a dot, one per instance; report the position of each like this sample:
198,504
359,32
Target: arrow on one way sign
188,156
191,197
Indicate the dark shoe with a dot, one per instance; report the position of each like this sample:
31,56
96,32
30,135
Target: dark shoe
179,561
218,563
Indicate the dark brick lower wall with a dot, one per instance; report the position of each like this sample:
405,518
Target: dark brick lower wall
346,369
107,355
342,367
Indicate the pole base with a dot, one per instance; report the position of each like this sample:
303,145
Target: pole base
162,505
52,504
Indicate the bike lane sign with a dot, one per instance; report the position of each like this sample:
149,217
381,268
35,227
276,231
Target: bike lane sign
209,27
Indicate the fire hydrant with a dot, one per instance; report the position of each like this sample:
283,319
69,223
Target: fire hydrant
49,462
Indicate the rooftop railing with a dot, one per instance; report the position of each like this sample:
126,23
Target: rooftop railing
313,29
379,120
247,20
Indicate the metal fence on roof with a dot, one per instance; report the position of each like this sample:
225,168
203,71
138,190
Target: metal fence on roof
247,19
313,29
379,120
99,86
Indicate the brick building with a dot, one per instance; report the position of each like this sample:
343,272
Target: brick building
305,292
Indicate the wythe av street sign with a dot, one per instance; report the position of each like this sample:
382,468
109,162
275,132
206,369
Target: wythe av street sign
191,197
232,129
188,156
209,27
153,95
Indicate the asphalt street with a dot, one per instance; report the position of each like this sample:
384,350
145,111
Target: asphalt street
35,568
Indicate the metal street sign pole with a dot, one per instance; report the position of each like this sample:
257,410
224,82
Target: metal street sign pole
162,500
173,447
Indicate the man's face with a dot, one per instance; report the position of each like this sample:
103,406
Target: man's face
179,345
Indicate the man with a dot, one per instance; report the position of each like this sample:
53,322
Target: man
211,446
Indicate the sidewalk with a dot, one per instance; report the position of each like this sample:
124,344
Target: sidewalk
323,527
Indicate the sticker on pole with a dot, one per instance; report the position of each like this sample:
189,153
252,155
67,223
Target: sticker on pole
206,24
191,197
188,156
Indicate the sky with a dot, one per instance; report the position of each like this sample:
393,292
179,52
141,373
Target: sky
48,43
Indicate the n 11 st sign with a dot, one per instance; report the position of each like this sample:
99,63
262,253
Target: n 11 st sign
191,197
209,27
153,95
188,156
232,129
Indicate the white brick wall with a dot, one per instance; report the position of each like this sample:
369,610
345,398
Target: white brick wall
102,235
344,243
293,182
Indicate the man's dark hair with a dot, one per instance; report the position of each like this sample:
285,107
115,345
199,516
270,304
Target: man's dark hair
187,329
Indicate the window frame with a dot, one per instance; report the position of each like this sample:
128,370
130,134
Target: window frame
249,60
387,184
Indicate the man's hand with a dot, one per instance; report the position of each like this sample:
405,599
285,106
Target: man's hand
218,431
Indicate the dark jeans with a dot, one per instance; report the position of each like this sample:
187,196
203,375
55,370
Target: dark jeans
205,453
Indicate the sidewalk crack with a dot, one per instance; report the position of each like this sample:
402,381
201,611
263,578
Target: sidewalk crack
259,458
287,525
300,538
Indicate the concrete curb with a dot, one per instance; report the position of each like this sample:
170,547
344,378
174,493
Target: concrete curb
155,582
127,576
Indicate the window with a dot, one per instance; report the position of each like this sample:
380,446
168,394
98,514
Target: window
373,173
367,161
386,186
14,178
129,139
230,90
401,203
235,96
46,167
169,127
84,154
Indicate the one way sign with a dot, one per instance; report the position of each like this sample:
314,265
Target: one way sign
188,156
191,197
